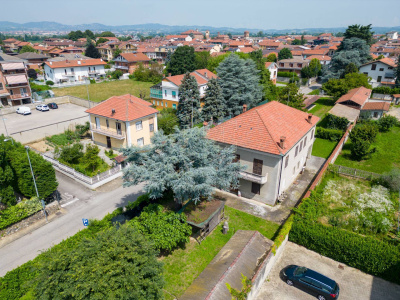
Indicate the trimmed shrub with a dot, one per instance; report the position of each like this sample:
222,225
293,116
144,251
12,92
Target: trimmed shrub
334,122
143,199
16,213
387,122
385,90
362,252
288,74
49,82
329,134
282,233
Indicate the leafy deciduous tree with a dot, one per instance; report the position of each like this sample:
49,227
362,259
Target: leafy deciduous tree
92,51
202,59
27,48
291,96
285,53
272,57
182,60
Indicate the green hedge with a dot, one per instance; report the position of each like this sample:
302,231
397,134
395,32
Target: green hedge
362,252
288,74
18,212
385,90
329,134
282,233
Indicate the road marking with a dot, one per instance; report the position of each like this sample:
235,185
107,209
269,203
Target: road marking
70,202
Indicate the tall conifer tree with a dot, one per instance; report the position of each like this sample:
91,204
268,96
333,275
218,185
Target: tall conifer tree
213,102
189,102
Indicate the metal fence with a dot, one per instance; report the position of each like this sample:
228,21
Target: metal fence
81,177
353,172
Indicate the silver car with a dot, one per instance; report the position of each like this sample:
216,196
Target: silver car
42,107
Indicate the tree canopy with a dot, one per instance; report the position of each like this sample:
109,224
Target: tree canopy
202,59
118,263
167,120
188,111
285,53
182,60
213,102
272,57
185,163
312,70
92,51
27,48
239,80
362,32
339,87
291,96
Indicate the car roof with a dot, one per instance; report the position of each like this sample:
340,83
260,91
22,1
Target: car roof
321,278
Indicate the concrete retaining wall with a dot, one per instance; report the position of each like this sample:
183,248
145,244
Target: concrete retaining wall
265,269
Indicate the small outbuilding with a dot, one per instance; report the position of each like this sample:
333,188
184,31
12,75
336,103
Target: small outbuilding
345,111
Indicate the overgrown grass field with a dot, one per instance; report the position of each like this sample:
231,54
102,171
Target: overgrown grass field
182,266
385,157
102,91
322,106
323,148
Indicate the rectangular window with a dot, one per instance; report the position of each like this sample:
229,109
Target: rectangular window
287,161
97,120
158,103
255,188
366,73
118,126
375,114
151,127
1,86
257,166
299,65
162,103
373,67
291,65
301,146
305,142
165,92
107,123
297,151
166,104
154,102
312,134
237,158
379,79
173,94
281,64
140,142
139,126
381,69
174,106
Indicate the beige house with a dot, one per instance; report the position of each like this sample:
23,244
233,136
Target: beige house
122,121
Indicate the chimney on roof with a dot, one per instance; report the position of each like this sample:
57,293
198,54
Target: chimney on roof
282,141
66,61
205,75
169,74
244,107
309,118
112,111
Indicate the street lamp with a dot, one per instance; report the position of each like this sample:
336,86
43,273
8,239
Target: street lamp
34,182
9,139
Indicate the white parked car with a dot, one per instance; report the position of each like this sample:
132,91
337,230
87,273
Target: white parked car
23,110
42,107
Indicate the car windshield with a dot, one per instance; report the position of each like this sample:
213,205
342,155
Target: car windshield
300,271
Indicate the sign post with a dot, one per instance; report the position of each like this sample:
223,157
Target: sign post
85,222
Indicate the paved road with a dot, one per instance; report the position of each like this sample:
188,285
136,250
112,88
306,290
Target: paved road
353,283
79,203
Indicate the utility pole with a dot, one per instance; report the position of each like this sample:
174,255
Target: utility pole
34,182
87,89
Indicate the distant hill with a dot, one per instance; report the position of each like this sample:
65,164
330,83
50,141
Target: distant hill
160,28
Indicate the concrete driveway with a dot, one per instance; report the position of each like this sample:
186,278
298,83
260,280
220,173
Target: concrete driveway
395,111
353,283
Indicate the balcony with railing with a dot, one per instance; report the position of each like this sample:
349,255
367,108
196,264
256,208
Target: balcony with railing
254,177
120,135
19,96
121,67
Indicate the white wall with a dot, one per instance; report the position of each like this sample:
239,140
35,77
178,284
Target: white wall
375,73
58,74
169,87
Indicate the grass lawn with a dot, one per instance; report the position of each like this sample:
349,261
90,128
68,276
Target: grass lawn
282,82
386,156
102,91
322,106
323,148
182,266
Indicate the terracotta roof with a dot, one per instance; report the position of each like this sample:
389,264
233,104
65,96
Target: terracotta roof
126,107
133,57
320,57
376,106
358,95
206,73
119,159
310,99
315,52
269,43
262,127
75,63
177,79
396,95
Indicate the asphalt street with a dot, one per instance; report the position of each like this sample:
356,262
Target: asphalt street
79,202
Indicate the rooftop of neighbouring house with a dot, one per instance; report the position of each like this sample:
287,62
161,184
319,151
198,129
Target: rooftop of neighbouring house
261,128
75,63
123,108
358,95
202,77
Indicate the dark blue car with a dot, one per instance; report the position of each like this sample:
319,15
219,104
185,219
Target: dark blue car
311,282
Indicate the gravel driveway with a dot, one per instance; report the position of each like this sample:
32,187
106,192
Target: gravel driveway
353,283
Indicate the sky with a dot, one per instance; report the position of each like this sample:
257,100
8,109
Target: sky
252,14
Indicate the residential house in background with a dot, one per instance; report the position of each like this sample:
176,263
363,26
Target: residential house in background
392,35
274,142
293,65
73,70
273,70
170,88
14,83
323,59
195,33
34,60
129,62
381,72
122,121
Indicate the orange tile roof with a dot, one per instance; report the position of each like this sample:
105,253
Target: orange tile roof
127,108
269,43
319,57
74,63
358,95
133,57
177,79
376,106
315,52
262,127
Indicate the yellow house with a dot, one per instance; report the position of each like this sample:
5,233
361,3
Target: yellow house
122,121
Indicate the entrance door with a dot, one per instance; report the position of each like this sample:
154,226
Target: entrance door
108,142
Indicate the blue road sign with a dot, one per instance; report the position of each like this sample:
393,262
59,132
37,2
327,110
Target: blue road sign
85,222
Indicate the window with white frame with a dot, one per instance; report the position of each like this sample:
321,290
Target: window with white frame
140,142
139,126
151,127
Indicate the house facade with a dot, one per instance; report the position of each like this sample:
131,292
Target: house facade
74,70
273,141
14,83
273,70
170,88
382,71
122,121
129,62
293,65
